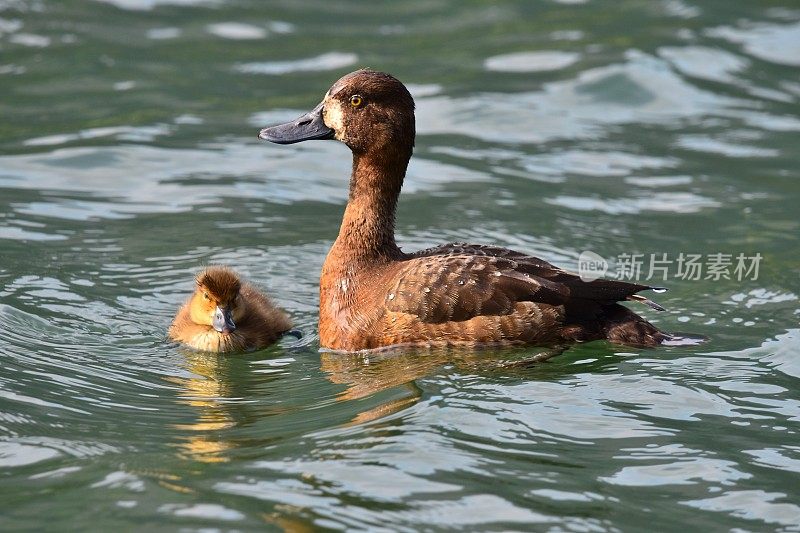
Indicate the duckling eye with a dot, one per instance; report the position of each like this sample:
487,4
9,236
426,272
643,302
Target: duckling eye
356,100
205,296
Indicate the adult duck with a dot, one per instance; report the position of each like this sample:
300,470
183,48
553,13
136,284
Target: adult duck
225,314
374,295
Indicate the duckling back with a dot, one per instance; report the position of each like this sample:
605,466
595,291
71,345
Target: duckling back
263,323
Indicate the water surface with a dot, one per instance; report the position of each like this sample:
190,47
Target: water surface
129,159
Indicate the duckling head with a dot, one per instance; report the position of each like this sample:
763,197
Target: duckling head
369,111
216,299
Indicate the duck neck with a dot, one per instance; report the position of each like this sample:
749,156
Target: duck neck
367,231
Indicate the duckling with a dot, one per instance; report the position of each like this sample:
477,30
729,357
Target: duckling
226,315
373,295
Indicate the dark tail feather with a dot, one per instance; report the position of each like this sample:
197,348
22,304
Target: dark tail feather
618,324
626,327
623,326
615,323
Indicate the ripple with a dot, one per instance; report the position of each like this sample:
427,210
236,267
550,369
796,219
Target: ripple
57,473
684,472
9,26
474,510
376,482
202,510
593,163
782,352
68,209
326,61
763,296
675,202
678,8
22,398
147,5
751,505
30,39
120,479
705,63
14,70
564,496
466,511
123,133
20,234
158,180
777,458
15,454
537,61
659,181
641,90
160,34
775,43
704,143
236,31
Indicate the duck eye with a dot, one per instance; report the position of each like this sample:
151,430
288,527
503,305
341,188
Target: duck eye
356,100
205,296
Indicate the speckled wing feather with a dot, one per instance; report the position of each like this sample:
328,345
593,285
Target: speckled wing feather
599,290
454,287
460,281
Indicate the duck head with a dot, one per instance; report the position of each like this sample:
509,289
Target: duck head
216,300
369,111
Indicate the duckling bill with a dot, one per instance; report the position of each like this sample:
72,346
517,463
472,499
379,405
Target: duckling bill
372,294
226,314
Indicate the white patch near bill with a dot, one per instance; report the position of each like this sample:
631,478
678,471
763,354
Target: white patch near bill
333,117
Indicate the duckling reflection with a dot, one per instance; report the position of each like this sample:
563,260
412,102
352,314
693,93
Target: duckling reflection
222,391
225,315
370,372
204,391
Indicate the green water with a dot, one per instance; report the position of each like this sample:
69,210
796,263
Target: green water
129,159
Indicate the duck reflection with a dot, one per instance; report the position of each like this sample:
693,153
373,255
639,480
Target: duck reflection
229,395
367,373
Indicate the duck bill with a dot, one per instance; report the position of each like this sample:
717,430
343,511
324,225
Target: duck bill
308,127
223,321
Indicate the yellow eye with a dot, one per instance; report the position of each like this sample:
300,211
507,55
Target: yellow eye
356,100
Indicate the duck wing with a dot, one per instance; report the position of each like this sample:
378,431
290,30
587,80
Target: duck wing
460,281
455,287
601,290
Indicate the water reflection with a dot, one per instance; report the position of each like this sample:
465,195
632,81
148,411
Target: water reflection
226,394
366,374
206,391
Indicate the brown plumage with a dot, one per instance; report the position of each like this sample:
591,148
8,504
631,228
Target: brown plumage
374,295
227,315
